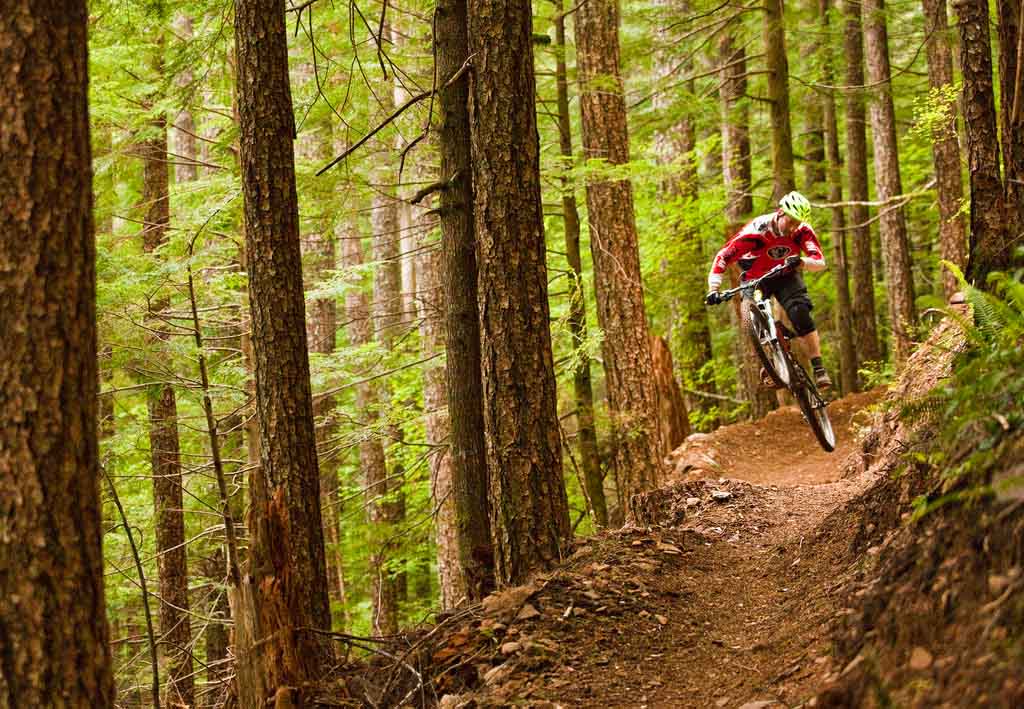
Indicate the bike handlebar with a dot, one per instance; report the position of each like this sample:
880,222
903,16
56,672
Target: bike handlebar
725,295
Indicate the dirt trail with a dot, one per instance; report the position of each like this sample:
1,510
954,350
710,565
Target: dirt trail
714,606
748,625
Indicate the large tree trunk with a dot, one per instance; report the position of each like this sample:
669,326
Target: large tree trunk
739,204
318,250
287,545
169,513
529,509
675,425
692,340
462,318
945,146
451,577
989,249
383,485
864,319
840,266
618,286
778,96
895,245
1011,100
371,446
1011,103
53,624
586,432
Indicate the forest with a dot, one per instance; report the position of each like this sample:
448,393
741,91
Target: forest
359,354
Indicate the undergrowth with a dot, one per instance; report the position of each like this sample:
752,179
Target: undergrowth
978,412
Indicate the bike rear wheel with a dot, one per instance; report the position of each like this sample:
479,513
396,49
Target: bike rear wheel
814,409
769,351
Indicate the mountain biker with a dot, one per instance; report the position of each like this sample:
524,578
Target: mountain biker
770,240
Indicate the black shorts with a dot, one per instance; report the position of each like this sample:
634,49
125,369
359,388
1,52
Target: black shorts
791,292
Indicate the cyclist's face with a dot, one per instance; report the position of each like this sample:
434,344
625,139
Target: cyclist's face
787,224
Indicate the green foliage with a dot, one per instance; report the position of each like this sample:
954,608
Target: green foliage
979,411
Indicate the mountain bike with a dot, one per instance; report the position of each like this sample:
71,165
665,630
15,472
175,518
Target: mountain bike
771,342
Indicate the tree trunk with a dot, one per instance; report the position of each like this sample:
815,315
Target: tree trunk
1011,99
739,203
864,319
945,146
218,671
675,425
183,137
989,249
529,509
618,286
313,147
53,624
840,267
899,278
815,165
287,545
462,317
168,506
451,577
371,445
383,485
692,342
778,96
583,391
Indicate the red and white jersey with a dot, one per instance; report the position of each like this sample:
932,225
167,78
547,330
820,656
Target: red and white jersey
758,247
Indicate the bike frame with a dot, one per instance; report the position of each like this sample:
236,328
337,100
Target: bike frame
794,378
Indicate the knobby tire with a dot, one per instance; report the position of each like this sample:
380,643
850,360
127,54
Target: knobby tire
817,418
753,320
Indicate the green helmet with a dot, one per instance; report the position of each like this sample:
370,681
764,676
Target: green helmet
796,205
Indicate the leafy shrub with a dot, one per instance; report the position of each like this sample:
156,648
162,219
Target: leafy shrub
979,410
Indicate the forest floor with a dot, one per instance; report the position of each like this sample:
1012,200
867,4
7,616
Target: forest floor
764,573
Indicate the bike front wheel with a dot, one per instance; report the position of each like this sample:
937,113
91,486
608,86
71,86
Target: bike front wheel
768,348
815,410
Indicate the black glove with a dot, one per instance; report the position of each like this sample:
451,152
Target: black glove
713,298
793,261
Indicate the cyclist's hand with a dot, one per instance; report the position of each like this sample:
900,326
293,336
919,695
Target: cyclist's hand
793,261
713,298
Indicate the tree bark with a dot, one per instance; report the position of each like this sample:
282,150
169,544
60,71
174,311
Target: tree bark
675,425
778,96
287,546
989,249
467,449
183,141
53,625
739,204
319,259
895,245
945,146
165,457
586,432
1011,99
529,509
840,266
431,306
618,286
864,318
383,485
371,445
692,341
